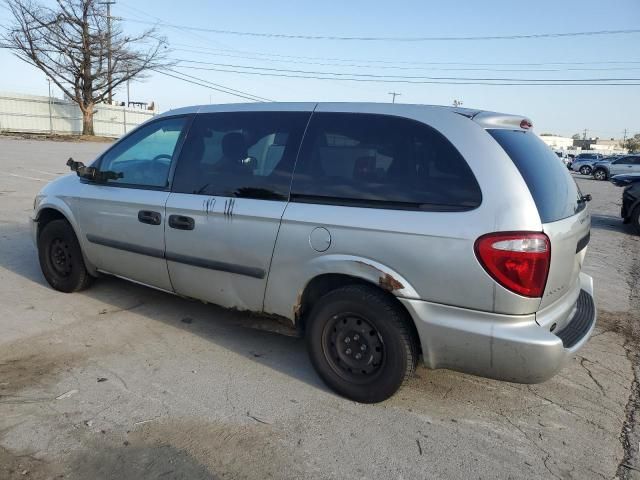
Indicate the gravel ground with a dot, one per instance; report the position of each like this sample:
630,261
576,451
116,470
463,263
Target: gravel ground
125,382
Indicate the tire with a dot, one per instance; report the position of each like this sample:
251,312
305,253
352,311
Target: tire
600,174
586,170
61,259
635,219
361,320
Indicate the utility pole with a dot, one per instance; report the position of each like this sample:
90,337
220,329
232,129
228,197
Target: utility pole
128,99
584,134
394,95
624,138
50,116
108,4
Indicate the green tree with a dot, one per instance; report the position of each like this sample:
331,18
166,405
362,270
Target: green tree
632,144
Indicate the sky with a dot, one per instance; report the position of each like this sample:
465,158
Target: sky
605,111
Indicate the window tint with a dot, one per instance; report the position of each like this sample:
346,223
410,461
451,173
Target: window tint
381,161
554,191
243,154
627,161
144,157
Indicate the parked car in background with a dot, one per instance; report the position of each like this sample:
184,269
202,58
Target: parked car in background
382,232
617,166
583,163
630,211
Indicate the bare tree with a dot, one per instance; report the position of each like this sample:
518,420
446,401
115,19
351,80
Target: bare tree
71,45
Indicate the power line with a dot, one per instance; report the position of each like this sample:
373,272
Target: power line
396,62
206,84
262,99
395,67
448,69
411,77
385,80
390,39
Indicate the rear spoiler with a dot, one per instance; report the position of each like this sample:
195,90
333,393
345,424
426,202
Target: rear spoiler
502,120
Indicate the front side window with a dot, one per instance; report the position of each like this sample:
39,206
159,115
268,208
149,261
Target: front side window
240,154
381,161
144,157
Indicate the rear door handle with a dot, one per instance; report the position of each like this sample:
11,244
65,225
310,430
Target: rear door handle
181,222
149,217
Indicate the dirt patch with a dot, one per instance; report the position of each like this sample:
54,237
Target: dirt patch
14,466
626,324
33,369
232,450
57,138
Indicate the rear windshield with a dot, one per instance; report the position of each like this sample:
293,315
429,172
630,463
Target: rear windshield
554,191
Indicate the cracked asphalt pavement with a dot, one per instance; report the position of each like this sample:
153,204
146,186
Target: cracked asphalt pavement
125,382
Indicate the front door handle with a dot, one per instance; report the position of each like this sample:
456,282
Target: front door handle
149,217
181,222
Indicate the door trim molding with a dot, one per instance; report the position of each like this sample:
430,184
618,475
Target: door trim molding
127,247
253,272
214,265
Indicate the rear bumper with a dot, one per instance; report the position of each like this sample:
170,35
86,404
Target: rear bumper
505,347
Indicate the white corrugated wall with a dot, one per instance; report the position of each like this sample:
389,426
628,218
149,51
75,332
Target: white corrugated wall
36,114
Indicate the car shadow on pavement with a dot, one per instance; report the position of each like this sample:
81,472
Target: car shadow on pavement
611,223
261,339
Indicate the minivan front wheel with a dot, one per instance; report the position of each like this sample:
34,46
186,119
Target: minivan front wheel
360,343
61,258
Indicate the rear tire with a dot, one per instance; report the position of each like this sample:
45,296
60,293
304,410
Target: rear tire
585,170
635,219
361,344
61,259
600,174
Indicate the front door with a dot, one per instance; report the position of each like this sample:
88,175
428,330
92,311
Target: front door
124,219
230,190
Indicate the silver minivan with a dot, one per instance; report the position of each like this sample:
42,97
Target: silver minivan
383,232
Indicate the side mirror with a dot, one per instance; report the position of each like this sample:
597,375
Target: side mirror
92,173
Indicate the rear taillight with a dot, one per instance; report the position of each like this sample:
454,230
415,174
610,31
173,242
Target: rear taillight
519,261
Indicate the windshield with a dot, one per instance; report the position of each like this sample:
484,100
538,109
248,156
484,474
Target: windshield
554,191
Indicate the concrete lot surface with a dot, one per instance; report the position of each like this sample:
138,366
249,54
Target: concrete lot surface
123,382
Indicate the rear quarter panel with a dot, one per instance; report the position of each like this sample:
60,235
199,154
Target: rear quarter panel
431,252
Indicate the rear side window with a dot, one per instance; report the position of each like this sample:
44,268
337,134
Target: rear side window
240,154
553,190
381,161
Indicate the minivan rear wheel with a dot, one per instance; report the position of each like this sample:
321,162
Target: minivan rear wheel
61,258
360,343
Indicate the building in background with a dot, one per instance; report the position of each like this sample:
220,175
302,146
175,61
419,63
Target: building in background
557,142
48,115
599,145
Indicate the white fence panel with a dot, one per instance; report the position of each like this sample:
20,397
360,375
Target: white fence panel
36,114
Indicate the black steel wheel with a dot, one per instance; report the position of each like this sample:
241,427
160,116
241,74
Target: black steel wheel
61,258
361,343
353,347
